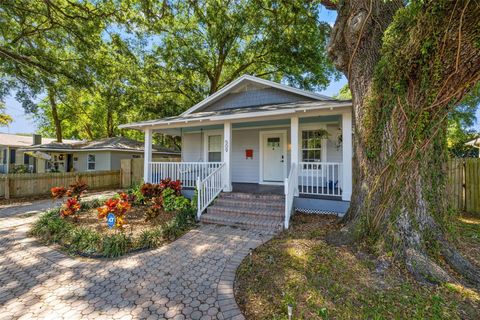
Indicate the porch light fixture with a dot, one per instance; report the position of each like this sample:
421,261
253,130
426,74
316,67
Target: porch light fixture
290,311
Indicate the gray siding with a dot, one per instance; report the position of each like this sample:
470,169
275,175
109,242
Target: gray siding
254,97
192,147
102,161
334,151
245,170
248,170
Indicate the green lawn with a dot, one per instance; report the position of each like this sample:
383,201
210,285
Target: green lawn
322,281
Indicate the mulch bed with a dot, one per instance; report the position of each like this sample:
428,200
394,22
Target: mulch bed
135,218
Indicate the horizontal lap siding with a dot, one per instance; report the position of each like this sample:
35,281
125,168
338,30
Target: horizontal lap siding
192,147
245,170
334,150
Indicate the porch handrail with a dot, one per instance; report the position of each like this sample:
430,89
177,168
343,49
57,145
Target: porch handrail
187,172
320,178
209,188
291,186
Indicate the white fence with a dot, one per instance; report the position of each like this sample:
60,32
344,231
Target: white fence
291,187
187,172
320,178
209,188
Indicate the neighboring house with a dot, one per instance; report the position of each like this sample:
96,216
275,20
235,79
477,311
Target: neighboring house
11,155
263,137
474,143
103,154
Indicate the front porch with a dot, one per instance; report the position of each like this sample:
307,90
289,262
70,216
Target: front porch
298,157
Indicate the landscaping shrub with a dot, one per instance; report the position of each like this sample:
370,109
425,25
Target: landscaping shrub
150,238
84,240
154,210
168,196
51,228
115,245
177,226
135,195
149,190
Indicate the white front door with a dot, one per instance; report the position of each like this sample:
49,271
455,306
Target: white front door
274,156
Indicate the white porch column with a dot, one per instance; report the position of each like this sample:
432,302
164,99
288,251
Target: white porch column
347,153
227,155
294,150
147,155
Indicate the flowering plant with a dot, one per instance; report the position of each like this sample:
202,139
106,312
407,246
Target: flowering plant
70,207
118,206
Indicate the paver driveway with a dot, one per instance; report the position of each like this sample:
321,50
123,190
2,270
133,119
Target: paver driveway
191,278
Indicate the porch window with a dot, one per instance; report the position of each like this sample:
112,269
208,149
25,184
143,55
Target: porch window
91,162
215,148
312,145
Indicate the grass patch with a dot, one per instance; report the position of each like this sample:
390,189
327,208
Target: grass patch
84,234
323,281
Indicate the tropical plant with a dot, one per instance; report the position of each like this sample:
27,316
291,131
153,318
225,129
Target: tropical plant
70,207
119,206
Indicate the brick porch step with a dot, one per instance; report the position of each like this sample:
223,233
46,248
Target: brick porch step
247,210
276,205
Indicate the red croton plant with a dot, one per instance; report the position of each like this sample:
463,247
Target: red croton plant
119,206
74,192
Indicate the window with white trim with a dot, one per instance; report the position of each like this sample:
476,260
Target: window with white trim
214,151
91,162
312,145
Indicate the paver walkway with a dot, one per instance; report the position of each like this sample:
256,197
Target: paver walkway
191,278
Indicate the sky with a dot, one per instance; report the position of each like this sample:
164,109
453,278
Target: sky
23,123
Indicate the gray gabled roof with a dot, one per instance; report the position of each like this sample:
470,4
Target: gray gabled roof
241,112
251,79
112,144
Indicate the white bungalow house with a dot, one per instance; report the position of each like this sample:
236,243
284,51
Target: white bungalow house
257,144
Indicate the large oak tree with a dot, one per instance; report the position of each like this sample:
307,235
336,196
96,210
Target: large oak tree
408,64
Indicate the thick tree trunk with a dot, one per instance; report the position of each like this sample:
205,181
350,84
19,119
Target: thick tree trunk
403,83
56,119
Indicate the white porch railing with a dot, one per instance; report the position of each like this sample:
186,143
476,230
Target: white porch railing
291,186
187,172
320,178
209,188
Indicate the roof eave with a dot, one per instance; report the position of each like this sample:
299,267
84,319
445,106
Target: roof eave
166,123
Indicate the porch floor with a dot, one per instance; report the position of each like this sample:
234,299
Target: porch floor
257,188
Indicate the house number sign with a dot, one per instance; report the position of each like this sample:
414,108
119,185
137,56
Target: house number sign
226,145
110,220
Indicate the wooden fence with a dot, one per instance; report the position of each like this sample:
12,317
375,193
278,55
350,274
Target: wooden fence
132,170
34,184
464,184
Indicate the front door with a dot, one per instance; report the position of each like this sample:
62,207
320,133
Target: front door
274,156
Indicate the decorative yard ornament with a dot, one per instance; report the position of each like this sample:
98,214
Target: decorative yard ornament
111,220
